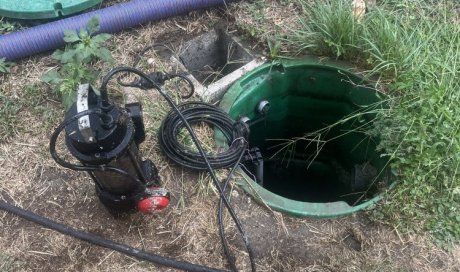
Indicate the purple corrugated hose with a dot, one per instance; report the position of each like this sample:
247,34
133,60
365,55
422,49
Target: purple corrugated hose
49,36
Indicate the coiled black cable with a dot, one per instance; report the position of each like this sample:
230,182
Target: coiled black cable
197,112
234,132
237,136
186,124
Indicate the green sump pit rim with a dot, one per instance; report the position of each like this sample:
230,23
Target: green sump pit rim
262,195
43,9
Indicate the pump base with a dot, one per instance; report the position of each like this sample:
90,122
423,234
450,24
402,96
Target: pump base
128,202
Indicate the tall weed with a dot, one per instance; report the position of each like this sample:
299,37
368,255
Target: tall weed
414,49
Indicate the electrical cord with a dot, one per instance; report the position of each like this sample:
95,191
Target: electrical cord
220,218
196,112
153,46
158,77
237,135
97,240
76,167
186,124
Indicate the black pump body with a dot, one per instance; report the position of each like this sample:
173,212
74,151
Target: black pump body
111,142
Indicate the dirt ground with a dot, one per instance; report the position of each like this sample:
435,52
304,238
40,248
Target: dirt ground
188,229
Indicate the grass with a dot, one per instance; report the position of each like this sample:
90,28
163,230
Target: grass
5,66
412,47
265,23
7,26
33,99
8,113
187,230
7,263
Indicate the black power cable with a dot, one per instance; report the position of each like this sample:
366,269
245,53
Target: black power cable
194,113
158,77
221,222
97,240
77,167
186,124
237,135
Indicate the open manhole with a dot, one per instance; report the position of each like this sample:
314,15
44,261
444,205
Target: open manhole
213,55
309,123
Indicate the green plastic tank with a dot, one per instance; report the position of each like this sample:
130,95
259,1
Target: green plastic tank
327,172
43,9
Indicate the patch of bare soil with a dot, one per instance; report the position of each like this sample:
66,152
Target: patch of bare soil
354,243
188,229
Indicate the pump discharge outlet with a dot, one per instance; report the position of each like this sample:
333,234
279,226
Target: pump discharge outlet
105,138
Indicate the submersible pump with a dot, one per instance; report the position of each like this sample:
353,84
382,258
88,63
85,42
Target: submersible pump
105,139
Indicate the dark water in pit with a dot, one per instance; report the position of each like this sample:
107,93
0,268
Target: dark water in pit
320,182
323,180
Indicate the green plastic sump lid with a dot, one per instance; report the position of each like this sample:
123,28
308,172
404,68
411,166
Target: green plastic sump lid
43,9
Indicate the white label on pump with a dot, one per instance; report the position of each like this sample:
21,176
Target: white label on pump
82,105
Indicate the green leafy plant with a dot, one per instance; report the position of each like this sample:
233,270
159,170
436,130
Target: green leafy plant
6,26
274,47
83,50
5,65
